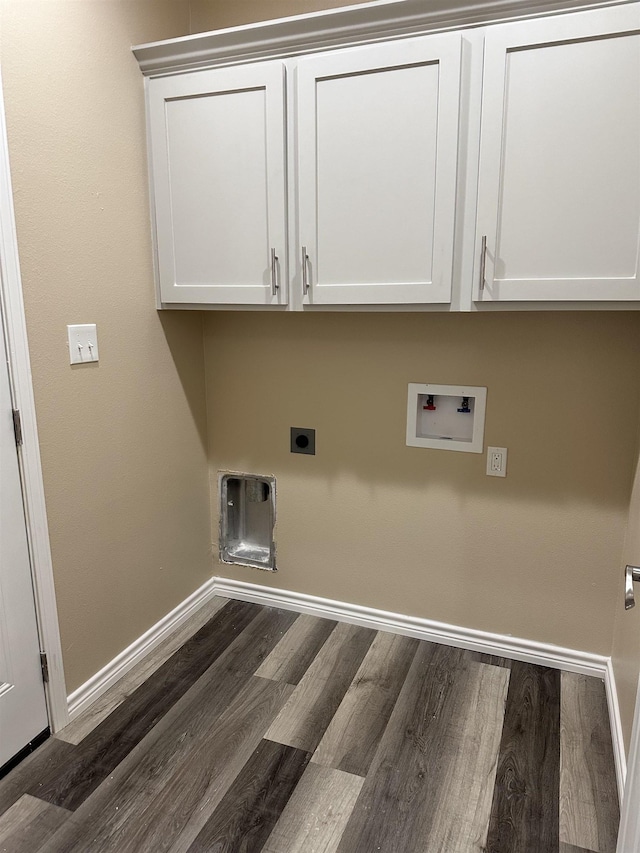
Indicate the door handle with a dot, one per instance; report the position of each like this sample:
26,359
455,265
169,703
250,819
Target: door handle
631,576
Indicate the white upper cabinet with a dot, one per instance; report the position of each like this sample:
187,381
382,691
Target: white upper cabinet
559,185
377,142
308,163
218,180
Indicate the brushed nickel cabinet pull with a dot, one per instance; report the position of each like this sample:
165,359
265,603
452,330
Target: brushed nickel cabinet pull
305,271
483,263
274,273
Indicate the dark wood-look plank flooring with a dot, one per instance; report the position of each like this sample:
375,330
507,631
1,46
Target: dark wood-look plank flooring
305,717
272,731
525,808
585,756
254,802
29,823
351,739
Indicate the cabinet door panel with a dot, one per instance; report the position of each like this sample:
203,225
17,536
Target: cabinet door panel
218,170
377,147
559,190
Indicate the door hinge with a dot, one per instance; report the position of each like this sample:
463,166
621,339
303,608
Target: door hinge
44,664
17,426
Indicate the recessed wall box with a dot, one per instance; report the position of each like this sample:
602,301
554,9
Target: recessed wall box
247,520
303,440
448,417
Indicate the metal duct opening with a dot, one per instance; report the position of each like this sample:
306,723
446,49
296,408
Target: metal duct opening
247,520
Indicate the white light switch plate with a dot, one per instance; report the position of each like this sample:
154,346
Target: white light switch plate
83,343
496,461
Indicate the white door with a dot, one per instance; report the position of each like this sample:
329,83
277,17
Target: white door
218,177
377,158
23,712
559,186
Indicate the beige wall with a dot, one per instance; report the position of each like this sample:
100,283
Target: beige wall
123,442
426,532
216,14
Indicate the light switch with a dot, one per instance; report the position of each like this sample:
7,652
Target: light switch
83,343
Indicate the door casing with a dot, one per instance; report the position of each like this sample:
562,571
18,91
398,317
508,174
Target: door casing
29,453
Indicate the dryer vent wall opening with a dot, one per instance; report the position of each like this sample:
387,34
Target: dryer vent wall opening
247,520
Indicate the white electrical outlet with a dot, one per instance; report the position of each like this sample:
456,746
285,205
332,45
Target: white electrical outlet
83,343
497,461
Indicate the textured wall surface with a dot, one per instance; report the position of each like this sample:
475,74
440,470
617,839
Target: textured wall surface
123,441
216,14
426,532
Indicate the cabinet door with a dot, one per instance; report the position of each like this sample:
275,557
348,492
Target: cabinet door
218,174
559,187
377,157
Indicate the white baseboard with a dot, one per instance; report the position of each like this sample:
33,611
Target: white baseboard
129,657
619,753
502,645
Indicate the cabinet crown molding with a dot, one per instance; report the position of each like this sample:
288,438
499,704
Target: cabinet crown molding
350,25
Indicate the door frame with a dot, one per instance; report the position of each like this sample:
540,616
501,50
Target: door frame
629,832
29,461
